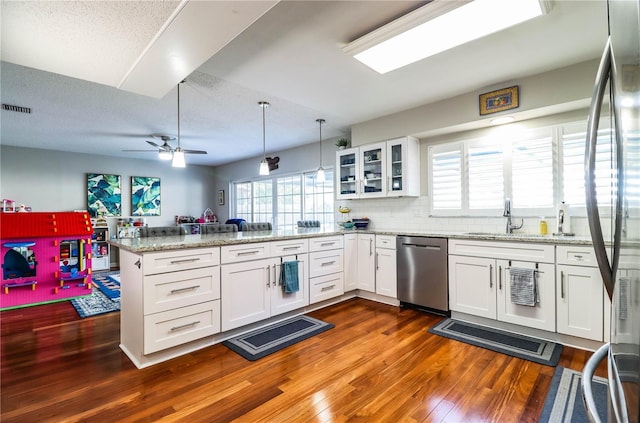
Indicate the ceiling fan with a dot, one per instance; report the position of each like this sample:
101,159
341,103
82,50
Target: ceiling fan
164,150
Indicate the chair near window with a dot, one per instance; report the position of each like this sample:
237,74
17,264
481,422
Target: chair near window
218,228
308,223
146,231
256,226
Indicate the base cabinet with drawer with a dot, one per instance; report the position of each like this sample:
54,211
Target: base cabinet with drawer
580,293
251,289
326,268
479,281
386,278
168,299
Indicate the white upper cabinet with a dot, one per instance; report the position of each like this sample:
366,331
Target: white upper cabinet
390,168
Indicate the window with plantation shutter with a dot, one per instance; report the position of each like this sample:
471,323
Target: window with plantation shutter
486,177
532,172
446,177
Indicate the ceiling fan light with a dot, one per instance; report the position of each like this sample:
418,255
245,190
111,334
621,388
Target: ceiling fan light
165,155
264,168
178,158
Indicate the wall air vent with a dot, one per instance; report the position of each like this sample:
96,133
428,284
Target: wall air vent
19,109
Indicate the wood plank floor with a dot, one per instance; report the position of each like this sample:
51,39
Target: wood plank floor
379,364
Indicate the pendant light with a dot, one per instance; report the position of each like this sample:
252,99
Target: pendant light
320,176
264,166
178,153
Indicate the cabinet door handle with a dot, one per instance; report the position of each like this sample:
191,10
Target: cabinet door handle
370,246
275,271
377,265
500,277
188,325
137,263
188,288
561,284
491,276
189,260
268,275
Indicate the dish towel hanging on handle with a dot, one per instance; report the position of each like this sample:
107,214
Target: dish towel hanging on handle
289,277
524,287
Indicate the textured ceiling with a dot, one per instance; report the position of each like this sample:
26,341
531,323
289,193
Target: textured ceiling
291,56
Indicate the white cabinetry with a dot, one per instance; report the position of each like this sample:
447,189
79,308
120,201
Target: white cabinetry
386,279
251,290
367,262
100,249
169,298
479,281
350,262
580,293
389,168
326,268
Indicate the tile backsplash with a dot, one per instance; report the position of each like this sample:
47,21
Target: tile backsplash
412,215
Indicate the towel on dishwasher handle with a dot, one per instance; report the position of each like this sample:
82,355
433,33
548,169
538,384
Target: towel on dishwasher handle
524,287
289,277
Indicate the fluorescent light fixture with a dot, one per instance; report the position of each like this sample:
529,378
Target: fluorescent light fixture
178,158
502,120
438,26
165,154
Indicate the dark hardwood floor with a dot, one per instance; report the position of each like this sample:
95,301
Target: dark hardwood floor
379,364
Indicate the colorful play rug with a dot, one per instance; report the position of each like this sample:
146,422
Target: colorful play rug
104,299
18,295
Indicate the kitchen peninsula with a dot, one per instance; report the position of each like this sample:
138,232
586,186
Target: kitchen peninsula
183,293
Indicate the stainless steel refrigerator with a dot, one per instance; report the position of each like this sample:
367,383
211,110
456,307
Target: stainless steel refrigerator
617,96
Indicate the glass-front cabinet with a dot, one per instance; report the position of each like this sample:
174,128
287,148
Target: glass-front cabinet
403,167
373,172
384,169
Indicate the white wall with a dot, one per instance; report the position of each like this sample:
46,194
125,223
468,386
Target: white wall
49,180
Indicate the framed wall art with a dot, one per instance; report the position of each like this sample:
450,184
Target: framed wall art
499,100
104,197
221,197
145,196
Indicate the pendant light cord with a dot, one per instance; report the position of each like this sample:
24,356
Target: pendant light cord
320,122
178,115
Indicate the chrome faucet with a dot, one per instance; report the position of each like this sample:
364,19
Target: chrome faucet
507,213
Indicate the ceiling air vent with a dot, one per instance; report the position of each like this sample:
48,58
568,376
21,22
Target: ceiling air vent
19,109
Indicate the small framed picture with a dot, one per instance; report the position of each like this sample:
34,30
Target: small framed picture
221,197
499,100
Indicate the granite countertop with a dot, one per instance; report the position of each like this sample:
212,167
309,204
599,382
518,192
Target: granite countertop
151,244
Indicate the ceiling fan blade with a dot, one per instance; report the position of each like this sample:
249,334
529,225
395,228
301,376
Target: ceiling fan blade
154,144
141,151
195,152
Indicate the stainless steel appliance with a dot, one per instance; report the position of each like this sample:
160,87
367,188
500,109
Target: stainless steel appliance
422,272
619,256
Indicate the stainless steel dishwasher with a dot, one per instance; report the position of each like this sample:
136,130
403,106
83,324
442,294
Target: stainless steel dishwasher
422,273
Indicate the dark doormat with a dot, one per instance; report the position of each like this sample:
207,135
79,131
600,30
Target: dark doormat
564,400
521,346
265,341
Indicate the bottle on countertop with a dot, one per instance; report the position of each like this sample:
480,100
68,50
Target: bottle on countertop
543,226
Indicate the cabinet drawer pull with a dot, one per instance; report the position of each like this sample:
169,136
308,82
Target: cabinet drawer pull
189,260
328,263
188,325
327,288
247,253
578,257
491,276
326,244
297,247
561,284
188,288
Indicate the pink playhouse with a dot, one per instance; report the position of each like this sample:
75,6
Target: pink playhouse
46,257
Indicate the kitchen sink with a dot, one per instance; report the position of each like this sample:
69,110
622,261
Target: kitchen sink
515,234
